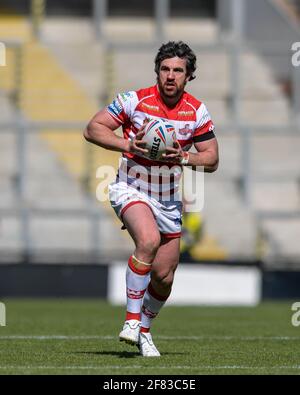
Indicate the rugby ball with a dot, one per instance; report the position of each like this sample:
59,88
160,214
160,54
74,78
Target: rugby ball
159,134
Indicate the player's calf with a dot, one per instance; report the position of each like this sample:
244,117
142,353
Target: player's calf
162,281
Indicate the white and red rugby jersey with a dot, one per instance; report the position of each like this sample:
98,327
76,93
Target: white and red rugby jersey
192,123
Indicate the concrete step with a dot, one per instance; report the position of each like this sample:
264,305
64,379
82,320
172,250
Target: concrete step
7,110
276,155
281,196
223,214
283,239
63,236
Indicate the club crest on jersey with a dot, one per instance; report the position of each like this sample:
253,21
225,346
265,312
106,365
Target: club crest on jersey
186,130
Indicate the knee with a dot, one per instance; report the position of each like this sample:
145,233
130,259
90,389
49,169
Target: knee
149,245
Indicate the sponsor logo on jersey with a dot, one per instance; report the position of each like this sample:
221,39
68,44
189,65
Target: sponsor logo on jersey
125,96
115,108
205,118
211,128
153,108
185,113
186,130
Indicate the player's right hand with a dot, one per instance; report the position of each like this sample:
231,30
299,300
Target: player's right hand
137,144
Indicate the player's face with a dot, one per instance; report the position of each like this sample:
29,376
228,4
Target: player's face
172,77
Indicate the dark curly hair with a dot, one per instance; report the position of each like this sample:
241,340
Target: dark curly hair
179,49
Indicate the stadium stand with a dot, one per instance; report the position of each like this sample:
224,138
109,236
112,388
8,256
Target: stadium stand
62,80
55,157
263,103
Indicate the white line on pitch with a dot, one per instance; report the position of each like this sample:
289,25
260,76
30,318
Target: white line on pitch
158,337
55,337
115,367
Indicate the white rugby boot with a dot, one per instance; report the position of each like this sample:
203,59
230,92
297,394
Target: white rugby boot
130,332
146,345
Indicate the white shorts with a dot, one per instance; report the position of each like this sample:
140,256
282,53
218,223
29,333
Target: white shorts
168,215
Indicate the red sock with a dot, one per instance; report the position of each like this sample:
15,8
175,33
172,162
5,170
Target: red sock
133,316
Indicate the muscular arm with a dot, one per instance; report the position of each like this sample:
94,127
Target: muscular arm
207,155
100,131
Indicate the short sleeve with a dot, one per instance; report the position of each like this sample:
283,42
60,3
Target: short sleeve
121,108
204,125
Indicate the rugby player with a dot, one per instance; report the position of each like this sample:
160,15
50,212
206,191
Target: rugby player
153,221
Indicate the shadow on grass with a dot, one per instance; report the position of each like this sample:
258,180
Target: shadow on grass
122,354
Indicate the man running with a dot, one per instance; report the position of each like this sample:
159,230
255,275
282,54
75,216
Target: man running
152,220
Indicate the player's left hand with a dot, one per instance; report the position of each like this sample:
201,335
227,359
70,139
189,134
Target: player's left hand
174,154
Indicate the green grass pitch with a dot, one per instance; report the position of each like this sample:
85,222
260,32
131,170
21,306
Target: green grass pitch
64,336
